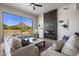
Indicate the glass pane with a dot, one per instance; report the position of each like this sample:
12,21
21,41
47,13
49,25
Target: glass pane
11,24
26,25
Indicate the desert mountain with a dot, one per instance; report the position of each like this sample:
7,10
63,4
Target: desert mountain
18,26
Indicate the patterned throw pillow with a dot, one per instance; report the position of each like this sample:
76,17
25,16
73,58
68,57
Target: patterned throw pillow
58,45
16,44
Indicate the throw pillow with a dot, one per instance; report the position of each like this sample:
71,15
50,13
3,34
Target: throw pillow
58,45
25,42
16,44
70,46
65,38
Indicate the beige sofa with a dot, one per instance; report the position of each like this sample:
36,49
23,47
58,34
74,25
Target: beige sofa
29,50
50,52
70,48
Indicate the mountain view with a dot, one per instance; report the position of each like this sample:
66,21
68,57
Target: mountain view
22,27
16,24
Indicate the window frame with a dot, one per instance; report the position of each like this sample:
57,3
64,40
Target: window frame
21,20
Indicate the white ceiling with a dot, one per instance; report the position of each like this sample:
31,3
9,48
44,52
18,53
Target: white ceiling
39,10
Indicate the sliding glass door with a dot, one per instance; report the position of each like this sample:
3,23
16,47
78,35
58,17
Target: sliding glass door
14,24
11,23
26,25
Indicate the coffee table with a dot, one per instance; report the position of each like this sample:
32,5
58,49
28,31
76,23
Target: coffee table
37,41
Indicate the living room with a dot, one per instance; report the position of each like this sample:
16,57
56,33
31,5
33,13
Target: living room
50,28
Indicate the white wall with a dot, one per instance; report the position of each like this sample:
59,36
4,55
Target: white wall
41,28
71,14
17,12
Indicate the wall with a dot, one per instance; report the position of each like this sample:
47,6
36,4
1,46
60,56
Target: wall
17,12
0,26
41,26
71,14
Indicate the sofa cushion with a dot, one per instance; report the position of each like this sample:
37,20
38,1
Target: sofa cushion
50,52
70,47
57,45
77,54
29,50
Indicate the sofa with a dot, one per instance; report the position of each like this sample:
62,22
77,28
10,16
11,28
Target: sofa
1,49
30,50
70,48
10,50
50,52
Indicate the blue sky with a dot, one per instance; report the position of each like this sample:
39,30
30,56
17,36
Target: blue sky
27,21
11,19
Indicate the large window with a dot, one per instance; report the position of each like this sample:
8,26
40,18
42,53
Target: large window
16,24
26,25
